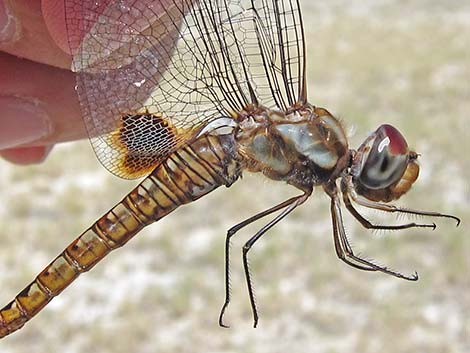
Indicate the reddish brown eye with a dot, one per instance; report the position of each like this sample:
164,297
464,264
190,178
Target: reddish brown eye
385,160
396,142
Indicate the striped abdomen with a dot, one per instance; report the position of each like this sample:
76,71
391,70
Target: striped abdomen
184,176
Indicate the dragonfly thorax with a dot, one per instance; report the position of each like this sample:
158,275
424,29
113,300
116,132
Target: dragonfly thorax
305,147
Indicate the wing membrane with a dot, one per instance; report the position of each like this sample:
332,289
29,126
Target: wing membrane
187,62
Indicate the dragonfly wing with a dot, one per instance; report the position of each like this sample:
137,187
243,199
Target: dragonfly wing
184,62
264,41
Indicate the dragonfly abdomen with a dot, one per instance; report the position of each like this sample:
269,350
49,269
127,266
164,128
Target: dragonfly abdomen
182,177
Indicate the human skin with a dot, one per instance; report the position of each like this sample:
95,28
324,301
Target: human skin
37,99
38,103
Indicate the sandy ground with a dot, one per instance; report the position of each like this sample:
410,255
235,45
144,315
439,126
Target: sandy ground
370,62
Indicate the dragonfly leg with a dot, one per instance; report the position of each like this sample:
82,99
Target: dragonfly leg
342,246
344,250
231,232
368,225
348,188
295,202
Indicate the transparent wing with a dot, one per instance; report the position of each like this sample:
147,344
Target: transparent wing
185,62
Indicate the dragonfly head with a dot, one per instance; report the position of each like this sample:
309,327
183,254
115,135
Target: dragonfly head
384,168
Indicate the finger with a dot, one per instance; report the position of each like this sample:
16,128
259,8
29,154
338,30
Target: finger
39,104
23,31
53,12
26,155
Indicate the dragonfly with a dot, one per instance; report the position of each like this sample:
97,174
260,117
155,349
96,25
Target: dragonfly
190,94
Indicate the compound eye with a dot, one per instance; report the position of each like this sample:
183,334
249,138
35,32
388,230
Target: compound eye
386,160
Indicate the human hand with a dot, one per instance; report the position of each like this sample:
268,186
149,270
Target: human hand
38,103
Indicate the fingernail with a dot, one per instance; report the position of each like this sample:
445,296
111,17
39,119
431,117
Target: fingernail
22,122
8,24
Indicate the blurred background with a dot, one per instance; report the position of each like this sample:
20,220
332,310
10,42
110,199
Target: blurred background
406,63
